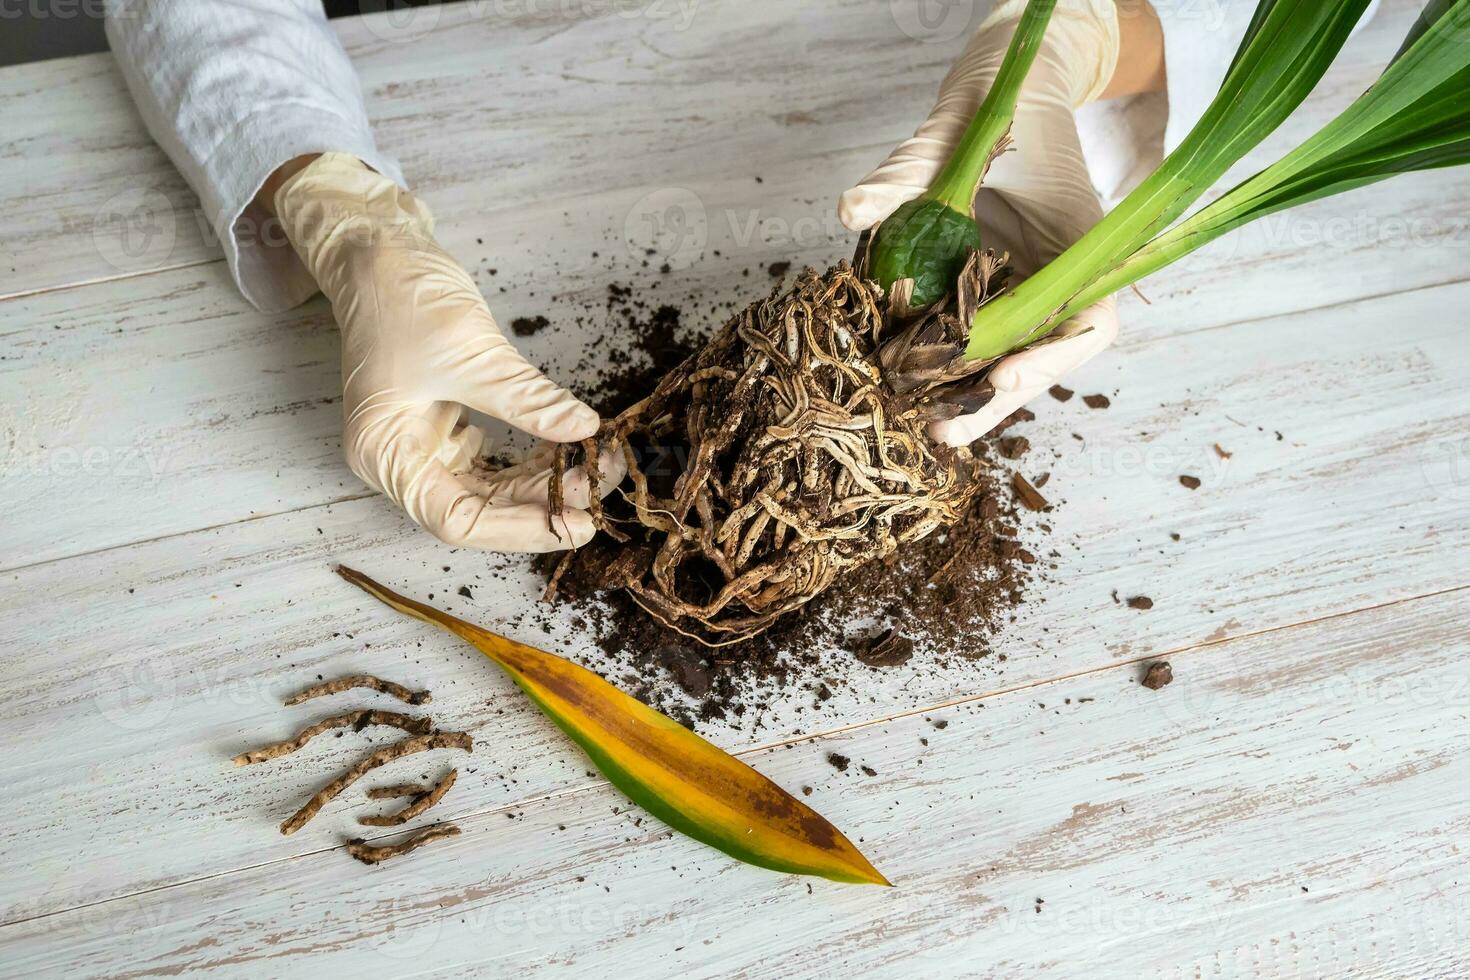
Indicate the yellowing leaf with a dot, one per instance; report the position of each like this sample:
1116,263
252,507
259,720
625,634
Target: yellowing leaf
677,776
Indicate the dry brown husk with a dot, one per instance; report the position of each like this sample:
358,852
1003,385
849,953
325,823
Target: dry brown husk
791,448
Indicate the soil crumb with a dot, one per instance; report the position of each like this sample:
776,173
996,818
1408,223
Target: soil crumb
1028,494
888,649
1159,674
1140,602
1014,447
1061,394
1191,482
527,326
1097,401
778,269
838,762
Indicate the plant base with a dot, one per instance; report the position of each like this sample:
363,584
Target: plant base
771,462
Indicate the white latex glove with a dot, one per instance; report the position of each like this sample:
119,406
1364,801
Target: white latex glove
418,346
1037,198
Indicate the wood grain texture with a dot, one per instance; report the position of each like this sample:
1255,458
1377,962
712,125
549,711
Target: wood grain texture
164,659
1280,810
174,500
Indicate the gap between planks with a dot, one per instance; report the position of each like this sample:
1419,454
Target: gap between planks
571,791
106,280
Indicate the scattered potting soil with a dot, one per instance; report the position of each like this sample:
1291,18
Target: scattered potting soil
1060,394
943,598
1191,482
1140,602
1096,401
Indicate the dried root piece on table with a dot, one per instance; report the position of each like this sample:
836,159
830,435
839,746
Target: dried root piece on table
368,854
383,756
352,681
356,720
396,790
418,805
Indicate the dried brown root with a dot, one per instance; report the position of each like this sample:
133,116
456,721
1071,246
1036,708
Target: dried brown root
368,681
357,720
368,854
420,803
798,462
556,492
383,756
396,790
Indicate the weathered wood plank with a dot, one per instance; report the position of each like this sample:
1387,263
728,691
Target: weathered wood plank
156,662
492,109
1280,810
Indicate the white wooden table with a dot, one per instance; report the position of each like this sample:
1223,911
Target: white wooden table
1296,802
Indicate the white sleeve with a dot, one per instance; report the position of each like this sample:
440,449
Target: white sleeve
1124,140
232,89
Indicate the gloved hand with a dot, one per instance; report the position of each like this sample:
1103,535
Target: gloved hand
1037,198
418,346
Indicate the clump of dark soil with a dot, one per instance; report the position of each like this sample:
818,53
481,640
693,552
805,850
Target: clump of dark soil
1158,675
527,326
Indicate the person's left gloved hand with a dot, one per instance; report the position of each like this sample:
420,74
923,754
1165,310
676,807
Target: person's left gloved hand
1037,198
419,346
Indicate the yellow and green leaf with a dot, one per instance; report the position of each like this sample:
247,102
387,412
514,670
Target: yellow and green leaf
662,766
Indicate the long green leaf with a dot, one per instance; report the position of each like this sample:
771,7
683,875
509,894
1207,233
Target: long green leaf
1415,117
1289,47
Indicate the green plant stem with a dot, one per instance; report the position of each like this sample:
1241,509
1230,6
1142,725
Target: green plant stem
956,184
928,239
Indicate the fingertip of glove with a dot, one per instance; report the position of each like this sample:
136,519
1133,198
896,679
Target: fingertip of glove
575,528
859,208
581,423
954,432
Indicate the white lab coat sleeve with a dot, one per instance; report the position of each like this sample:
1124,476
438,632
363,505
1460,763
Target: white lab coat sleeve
232,89
1124,140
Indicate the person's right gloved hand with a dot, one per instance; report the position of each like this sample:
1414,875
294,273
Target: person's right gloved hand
1037,198
419,346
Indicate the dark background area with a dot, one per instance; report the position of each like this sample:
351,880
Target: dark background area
33,30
